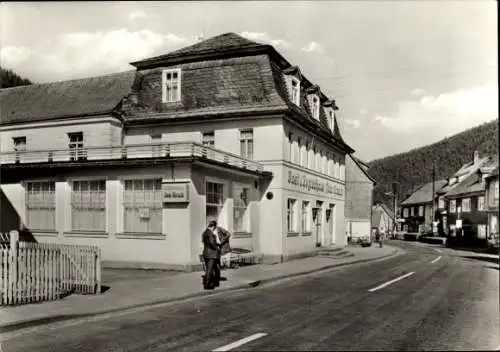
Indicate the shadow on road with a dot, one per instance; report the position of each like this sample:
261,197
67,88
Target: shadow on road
485,259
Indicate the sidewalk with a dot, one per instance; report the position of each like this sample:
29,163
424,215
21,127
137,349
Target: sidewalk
149,291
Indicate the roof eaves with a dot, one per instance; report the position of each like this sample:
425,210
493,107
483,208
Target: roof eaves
363,169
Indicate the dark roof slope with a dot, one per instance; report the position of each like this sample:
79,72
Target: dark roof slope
424,193
363,168
80,97
470,184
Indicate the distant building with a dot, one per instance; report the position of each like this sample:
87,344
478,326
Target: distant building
466,213
138,162
382,218
417,208
491,201
359,198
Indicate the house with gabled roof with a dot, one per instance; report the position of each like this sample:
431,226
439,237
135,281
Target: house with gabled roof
358,199
467,215
138,162
382,218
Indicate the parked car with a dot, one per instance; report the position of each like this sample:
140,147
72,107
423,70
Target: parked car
366,241
494,240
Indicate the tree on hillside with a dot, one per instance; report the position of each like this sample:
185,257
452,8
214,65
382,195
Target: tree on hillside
414,168
9,78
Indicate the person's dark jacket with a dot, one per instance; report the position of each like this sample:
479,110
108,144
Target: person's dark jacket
224,240
211,249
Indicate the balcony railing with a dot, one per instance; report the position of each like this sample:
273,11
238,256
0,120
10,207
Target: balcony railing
134,151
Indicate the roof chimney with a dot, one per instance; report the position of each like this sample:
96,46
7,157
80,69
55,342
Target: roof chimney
476,157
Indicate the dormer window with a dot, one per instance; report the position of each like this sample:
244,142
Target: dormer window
331,119
295,91
171,87
315,107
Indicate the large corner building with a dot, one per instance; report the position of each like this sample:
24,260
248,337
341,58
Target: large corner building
137,162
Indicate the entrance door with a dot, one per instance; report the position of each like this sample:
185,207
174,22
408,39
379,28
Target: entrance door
316,212
330,220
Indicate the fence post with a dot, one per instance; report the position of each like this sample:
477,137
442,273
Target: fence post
14,242
98,270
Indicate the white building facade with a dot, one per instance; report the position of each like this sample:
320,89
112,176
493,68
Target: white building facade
138,162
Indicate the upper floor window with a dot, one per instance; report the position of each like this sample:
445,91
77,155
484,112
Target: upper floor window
441,202
405,212
480,203
466,204
299,154
412,211
453,206
171,91
208,139
246,143
315,107
496,189
421,210
296,91
156,142
19,144
306,159
76,146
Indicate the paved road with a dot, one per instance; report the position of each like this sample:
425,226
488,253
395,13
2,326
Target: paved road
450,303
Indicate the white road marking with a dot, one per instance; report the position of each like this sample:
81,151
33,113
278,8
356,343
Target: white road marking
240,342
390,282
435,260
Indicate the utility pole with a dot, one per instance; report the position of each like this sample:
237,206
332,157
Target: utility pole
433,194
395,191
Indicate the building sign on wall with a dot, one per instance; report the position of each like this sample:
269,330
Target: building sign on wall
313,184
175,192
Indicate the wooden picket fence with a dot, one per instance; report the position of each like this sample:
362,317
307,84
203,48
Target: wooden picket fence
33,272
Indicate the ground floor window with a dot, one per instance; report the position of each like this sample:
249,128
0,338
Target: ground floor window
306,220
240,208
215,200
143,206
41,205
88,205
291,216
481,232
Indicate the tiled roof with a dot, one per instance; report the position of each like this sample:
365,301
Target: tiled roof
424,193
473,182
88,96
219,44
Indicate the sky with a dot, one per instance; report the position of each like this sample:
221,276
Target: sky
403,73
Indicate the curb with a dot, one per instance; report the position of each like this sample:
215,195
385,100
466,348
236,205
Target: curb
27,324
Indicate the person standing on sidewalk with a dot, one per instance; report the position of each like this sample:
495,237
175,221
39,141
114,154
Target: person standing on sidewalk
211,256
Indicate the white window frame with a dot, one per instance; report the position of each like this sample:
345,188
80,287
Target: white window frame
405,212
88,207
305,216
247,140
315,106
209,203
295,91
19,146
453,206
156,140
291,215
208,139
496,187
480,203
241,204
167,95
42,201
76,145
421,210
412,211
441,202
299,151
466,201
308,150
143,205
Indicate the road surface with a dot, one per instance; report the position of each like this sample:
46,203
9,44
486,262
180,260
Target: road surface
422,300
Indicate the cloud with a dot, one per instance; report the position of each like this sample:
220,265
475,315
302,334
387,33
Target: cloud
81,54
14,55
137,14
314,47
353,123
417,92
448,113
264,37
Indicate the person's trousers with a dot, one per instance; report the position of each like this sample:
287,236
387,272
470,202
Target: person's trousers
212,273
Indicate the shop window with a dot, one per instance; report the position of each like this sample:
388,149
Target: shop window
88,205
466,204
246,144
480,203
240,208
77,151
306,217
481,231
291,216
143,206
171,91
214,200
453,206
41,205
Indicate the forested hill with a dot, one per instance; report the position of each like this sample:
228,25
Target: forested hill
414,168
9,78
